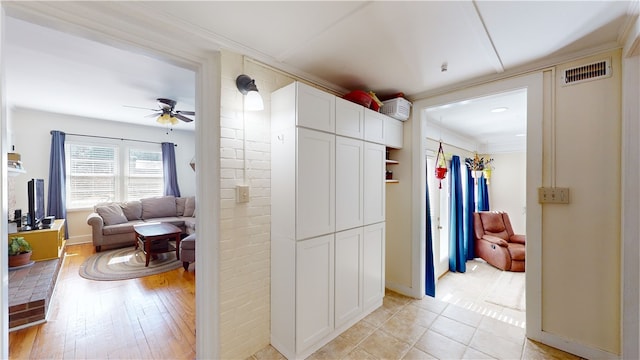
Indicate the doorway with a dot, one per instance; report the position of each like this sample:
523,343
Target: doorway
533,84
206,65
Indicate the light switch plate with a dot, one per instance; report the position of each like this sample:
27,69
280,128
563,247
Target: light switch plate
242,193
553,195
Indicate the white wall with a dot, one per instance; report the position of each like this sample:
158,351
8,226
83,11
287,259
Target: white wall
30,134
245,228
581,241
507,188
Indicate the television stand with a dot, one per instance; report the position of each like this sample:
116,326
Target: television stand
46,244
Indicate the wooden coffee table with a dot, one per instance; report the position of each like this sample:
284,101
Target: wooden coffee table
154,239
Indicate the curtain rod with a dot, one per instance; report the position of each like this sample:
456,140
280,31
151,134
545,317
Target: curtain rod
112,138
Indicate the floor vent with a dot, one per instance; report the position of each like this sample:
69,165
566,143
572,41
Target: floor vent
593,71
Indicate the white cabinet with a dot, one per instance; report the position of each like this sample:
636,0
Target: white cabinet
373,264
349,183
349,119
374,126
315,184
348,275
321,184
314,290
393,133
382,129
315,108
374,185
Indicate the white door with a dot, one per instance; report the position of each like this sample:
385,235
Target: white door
373,264
315,186
348,275
314,290
349,183
316,108
374,185
374,126
439,218
349,119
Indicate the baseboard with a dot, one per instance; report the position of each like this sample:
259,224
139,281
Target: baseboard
404,290
81,239
572,347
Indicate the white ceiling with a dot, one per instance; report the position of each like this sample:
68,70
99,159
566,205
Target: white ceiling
384,46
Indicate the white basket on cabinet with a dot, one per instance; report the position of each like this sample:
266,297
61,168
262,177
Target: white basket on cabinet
397,108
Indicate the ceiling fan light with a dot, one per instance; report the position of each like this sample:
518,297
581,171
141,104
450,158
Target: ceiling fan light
173,120
164,119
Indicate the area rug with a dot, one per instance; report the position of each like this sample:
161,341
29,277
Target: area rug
508,290
126,263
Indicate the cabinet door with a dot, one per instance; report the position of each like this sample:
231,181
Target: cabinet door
393,133
349,119
316,109
314,290
349,183
374,189
373,267
348,276
374,126
315,184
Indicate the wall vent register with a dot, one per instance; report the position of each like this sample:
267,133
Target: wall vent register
593,71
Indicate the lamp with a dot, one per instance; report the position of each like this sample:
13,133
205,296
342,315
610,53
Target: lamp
247,86
166,119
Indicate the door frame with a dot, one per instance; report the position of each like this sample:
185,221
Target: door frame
534,85
141,34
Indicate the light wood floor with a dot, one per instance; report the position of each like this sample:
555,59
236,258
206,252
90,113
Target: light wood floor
146,318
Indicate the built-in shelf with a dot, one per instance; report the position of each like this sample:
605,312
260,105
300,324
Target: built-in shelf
391,162
392,181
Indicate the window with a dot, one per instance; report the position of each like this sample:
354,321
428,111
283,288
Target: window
145,177
97,173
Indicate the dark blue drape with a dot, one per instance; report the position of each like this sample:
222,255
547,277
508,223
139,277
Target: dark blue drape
469,207
169,169
429,278
57,198
457,255
483,194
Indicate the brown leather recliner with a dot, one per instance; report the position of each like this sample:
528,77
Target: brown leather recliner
496,243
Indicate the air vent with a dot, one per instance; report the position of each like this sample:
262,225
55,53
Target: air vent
593,71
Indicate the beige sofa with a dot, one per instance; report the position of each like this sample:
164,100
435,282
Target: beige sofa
112,223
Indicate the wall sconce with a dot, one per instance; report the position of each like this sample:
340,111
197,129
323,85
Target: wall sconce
247,86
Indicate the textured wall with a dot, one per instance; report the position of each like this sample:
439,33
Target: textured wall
245,227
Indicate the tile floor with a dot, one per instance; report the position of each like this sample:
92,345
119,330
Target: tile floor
458,324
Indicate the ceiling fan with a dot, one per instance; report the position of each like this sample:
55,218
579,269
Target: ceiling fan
166,113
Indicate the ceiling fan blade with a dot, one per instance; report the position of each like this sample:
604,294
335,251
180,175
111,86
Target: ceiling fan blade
138,107
154,114
183,118
185,112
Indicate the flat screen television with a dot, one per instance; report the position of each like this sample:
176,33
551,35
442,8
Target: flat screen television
35,192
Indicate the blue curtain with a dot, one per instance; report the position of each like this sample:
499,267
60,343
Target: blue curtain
57,199
469,207
169,169
429,278
457,253
483,194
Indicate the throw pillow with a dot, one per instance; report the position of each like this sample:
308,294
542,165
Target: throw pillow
190,206
157,207
132,210
180,202
111,214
